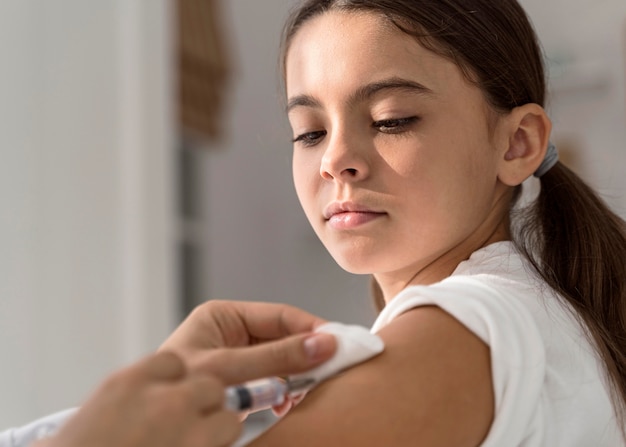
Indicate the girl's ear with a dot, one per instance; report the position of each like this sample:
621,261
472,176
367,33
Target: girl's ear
528,132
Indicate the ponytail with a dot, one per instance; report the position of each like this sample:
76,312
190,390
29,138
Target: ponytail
578,246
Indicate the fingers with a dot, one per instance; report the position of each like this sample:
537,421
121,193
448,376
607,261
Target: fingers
189,407
203,392
290,402
219,324
290,355
207,393
222,428
264,321
191,410
160,366
282,409
155,403
216,426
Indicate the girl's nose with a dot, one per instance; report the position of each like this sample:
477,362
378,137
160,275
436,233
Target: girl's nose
344,160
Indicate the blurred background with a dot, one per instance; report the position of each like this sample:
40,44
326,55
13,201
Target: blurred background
146,168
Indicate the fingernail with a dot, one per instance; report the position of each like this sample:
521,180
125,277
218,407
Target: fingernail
318,345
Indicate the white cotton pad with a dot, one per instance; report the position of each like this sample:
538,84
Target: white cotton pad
355,344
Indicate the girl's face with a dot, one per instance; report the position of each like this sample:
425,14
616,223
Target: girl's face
394,162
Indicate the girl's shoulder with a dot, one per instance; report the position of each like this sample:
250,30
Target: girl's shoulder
545,371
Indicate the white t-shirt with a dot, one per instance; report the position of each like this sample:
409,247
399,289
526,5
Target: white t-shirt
550,386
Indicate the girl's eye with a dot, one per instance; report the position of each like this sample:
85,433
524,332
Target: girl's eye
395,125
310,138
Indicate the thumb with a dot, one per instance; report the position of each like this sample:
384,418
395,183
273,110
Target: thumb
286,356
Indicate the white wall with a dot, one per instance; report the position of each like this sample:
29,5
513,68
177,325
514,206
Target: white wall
85,187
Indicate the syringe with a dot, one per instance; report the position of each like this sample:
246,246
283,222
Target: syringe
263,393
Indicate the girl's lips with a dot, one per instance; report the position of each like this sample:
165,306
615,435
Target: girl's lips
347,220
347,207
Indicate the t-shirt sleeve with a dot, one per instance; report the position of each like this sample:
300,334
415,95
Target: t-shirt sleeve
518,360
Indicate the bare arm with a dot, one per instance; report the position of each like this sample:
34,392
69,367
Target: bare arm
431,387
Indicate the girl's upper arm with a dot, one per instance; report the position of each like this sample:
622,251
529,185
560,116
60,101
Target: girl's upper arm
430,387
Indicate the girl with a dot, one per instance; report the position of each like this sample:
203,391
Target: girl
415,123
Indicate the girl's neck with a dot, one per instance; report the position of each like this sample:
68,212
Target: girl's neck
443,264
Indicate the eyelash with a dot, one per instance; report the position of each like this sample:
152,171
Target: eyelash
388,126
310,138
395,125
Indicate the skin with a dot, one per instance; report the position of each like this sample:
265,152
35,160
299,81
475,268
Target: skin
175,397
396,138
423,173
238,341
154,402
434,179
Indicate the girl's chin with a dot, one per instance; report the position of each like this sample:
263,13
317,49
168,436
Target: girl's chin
356,268
358,258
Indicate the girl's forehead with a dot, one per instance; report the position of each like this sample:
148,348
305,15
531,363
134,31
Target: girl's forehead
334,26
346,48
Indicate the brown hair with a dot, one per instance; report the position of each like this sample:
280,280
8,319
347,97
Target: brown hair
573,240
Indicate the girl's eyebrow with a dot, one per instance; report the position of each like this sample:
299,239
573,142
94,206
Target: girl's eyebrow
364,93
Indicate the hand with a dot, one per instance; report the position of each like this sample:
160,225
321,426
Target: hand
154,403
206,338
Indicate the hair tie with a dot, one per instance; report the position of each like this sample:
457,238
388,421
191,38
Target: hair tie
552,156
